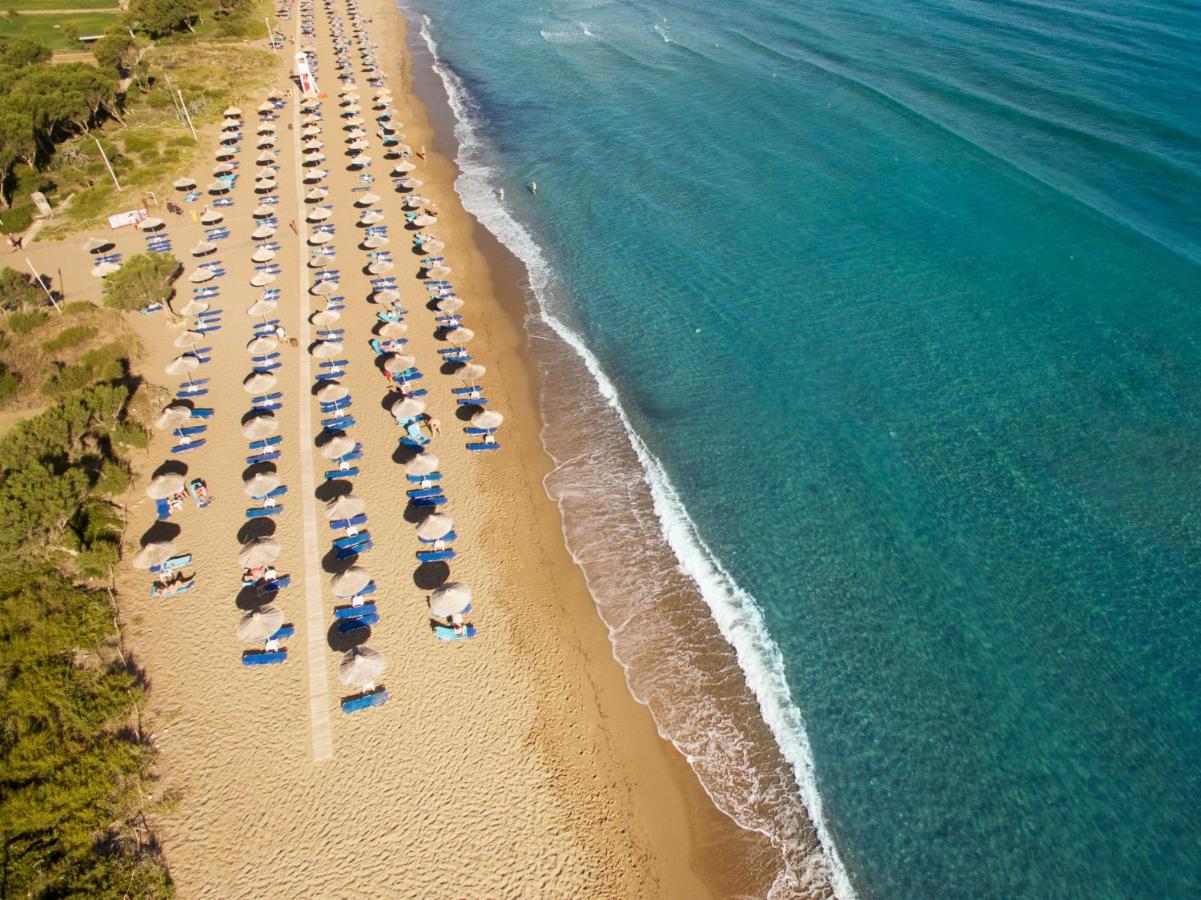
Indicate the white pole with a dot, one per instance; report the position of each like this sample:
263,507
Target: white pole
42,284
187,116
270,34
106,162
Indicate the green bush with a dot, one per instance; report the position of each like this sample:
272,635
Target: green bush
131,434
69,337
18,290
24,322
113,480
144,279
78,308
18,219
10,382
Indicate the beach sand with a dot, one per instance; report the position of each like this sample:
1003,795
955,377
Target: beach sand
515,764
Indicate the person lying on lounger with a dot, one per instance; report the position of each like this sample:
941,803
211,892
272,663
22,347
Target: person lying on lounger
457,623
432,424
251,575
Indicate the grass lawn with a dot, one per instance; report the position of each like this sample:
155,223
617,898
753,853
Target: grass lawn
57,4
47,30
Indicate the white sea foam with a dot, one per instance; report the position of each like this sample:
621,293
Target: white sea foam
736,613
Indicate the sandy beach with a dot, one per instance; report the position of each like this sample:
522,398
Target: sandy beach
513,764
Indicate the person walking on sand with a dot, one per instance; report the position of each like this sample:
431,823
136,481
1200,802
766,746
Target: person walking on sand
421,151
500,194
292,225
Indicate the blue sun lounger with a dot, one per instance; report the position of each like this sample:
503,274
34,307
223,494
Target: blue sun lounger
334,364
335,474
261,458
267,442
438,500
429,556
264,512
163,509
273,587
448,538
202,413
338,423
175,562
332,375
191,445
354,623
357,550
352,540
263,657
187,393
488,445
353,522
337,405
276,492
423,493
364,701
190,431
416,443
355,612
285,631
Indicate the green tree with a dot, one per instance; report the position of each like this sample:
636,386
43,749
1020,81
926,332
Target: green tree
117,52
18,53
144,279
18,291
159,18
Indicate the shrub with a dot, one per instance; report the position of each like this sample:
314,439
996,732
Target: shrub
10,382
144,279
69,337
24,322
78,308
18,219
131,434
18,290
113,480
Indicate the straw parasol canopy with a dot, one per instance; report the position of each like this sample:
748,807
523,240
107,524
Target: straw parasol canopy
189,339
435,528
361,666
433,246
95,245
366,200
263,232
403,168
200,276
452,598
381,267
393,329
350,582
460,335
259,553
192,307
164,486
449,305
344,507
438,271
262,255
425,464
375,242
314,175
398,362
424,220
265,186
387,295
266,106
338,447
154,554
223,168
182,365
327,349
325,317
218,187
265,157
471,372
232,112
260,484
203,248
316,194
263,344
172,416
184,184
320,237
226,153
105,269
408,407
263,211
262,279
413,201
257,382
487,418
261,307
212,217
259,624
260,427
324,288
331,392
371,217
265,128
357,144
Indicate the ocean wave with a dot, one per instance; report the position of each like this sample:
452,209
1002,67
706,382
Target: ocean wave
736,614
577,34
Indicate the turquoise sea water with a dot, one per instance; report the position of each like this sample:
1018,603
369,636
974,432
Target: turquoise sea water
902,301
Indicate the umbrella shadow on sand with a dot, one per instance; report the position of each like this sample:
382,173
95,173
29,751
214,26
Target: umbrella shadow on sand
171,467
256,529
248,598
160,533
332,490
334,566
429,576
340,642
404,454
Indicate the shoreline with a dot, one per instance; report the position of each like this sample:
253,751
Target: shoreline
609,792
